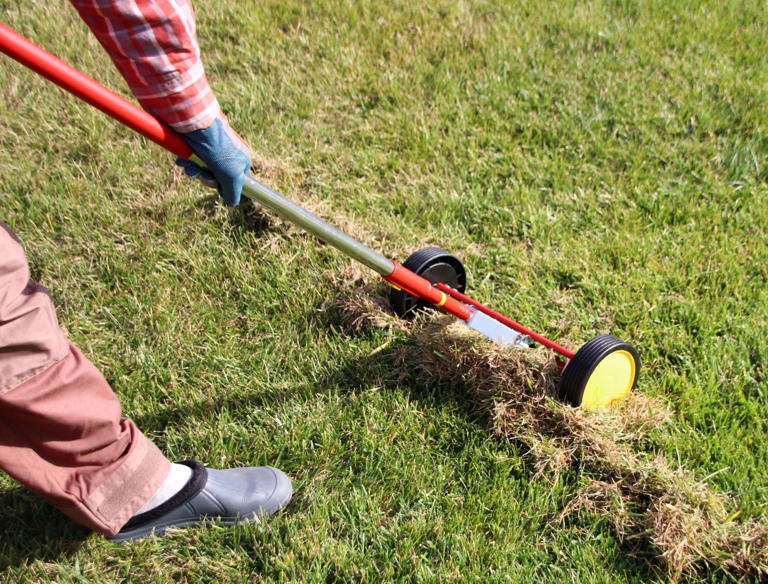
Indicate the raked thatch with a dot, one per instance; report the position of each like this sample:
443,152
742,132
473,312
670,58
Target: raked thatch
692,528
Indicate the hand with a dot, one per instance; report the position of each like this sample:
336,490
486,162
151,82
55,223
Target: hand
226,156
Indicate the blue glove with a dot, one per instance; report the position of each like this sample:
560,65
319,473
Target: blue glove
226,156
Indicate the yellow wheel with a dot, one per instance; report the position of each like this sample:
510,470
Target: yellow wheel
601,372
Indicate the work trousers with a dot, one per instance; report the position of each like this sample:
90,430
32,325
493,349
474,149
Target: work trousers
61,430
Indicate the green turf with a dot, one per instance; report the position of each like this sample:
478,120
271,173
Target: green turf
599,167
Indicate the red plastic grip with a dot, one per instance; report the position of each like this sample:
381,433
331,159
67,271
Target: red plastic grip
423,288
30,55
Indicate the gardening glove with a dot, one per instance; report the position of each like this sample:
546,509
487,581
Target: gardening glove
226,156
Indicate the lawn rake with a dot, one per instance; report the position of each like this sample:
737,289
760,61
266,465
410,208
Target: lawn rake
602,371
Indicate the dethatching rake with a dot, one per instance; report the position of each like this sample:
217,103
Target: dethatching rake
601,372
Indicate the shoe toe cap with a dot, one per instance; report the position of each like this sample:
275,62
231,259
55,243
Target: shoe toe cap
250,491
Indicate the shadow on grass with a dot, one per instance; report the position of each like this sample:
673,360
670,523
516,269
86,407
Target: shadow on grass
31,529
246,217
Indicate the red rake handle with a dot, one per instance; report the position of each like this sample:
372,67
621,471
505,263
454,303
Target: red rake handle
91,91
30,55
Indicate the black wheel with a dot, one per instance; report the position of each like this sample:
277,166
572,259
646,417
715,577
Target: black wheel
602,371
435,265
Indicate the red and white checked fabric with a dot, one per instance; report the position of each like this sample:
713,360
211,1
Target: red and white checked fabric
153,45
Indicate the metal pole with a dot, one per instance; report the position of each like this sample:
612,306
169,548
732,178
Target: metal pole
289,210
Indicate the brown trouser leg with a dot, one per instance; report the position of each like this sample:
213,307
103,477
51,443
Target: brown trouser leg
61,432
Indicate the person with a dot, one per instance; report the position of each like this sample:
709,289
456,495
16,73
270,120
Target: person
62,433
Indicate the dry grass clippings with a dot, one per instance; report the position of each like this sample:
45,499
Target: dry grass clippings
641,496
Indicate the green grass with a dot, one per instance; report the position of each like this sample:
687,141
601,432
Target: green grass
598,166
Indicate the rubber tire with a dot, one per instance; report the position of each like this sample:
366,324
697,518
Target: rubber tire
435,265
580,368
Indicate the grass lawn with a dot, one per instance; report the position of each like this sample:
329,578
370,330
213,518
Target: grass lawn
598,166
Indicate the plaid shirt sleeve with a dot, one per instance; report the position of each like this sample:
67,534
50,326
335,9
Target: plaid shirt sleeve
153,45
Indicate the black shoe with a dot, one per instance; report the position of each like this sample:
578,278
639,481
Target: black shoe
227,496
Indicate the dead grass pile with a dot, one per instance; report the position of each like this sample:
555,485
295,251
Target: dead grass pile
363,303
640,495
690,527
